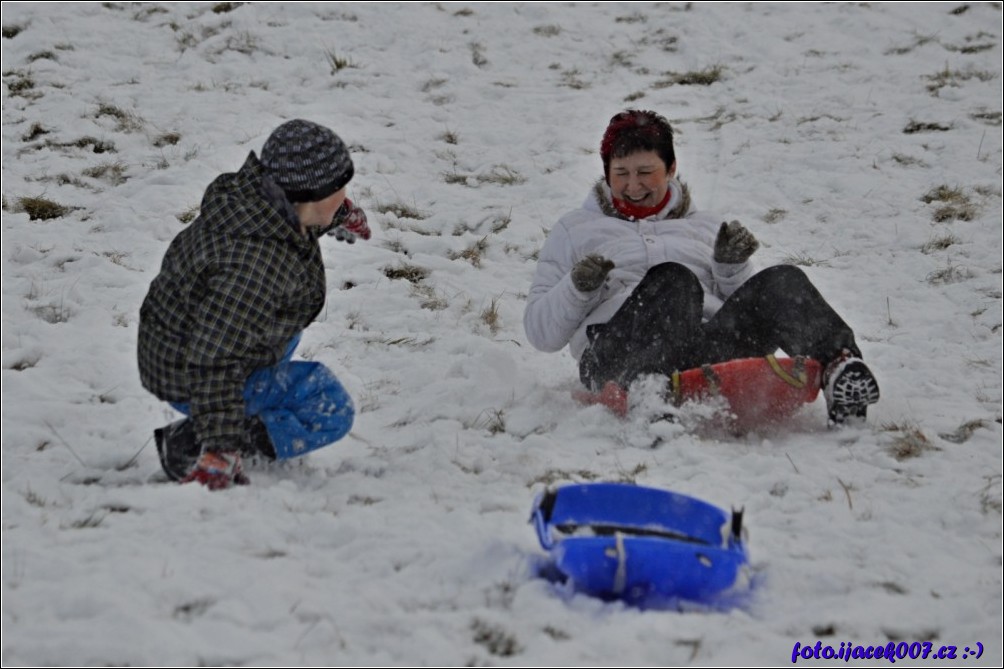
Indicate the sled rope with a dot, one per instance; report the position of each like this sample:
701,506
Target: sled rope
620,577
800,378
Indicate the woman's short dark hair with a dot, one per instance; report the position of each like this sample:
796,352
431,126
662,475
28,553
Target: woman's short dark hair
634,130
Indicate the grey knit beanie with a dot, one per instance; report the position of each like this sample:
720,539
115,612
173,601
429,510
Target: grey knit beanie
306,160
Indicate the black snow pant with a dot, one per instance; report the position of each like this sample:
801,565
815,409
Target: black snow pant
659,329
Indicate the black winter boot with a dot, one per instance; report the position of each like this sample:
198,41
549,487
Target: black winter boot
177,448
258,443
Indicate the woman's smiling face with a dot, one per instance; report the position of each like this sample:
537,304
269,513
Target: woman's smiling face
640,178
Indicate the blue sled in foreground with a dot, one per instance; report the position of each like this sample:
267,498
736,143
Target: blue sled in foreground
642,545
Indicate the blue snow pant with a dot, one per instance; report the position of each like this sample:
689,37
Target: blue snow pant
302,404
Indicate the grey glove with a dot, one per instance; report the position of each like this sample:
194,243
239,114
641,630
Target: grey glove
589,273
734,244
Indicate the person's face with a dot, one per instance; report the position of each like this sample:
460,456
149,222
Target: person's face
319,214
640,178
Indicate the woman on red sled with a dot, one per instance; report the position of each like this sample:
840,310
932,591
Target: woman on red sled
636,282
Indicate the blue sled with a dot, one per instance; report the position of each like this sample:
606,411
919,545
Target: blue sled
642,545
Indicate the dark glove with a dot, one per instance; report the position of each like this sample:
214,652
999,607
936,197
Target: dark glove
589,273
734,244
349,222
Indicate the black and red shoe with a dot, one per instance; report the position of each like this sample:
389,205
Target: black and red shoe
218,470
849,387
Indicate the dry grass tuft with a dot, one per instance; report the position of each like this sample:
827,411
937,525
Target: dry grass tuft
411,273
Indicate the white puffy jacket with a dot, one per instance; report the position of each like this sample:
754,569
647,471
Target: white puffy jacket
557,313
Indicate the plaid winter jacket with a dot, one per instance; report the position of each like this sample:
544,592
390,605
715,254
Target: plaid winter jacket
234,288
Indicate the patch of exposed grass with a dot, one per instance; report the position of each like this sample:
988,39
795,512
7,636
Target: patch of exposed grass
34,132
939,243
914,127
42,55
51,313
337,63
428,297
621,59
774,215
441,100
166,139
20,84
401,210
955,78
91,521
244,42
705,77
185,40
978,43
556,634
663,40
501,222
433,84
965,431
819,117
952,212
42,209
193,609
125,121
11,31
495,639
637,17
492,420
410,342
909,443
450,137
224,7
490,316
395,246
573,79
552,476
500,175
803,260
990,118
918,41
950,274
989,499
411,273
35,499
64,179
472,253
550,30
955,204
95,145
188,215
908,160
478,54
945,193
719,118
113,173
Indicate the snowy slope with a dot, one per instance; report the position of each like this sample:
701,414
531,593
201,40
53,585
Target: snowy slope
862,142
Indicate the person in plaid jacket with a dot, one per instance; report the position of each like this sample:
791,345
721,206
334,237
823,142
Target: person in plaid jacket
235,290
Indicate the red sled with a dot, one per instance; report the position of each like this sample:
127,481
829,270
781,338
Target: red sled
758,391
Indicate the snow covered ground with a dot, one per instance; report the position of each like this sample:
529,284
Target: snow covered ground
862,142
